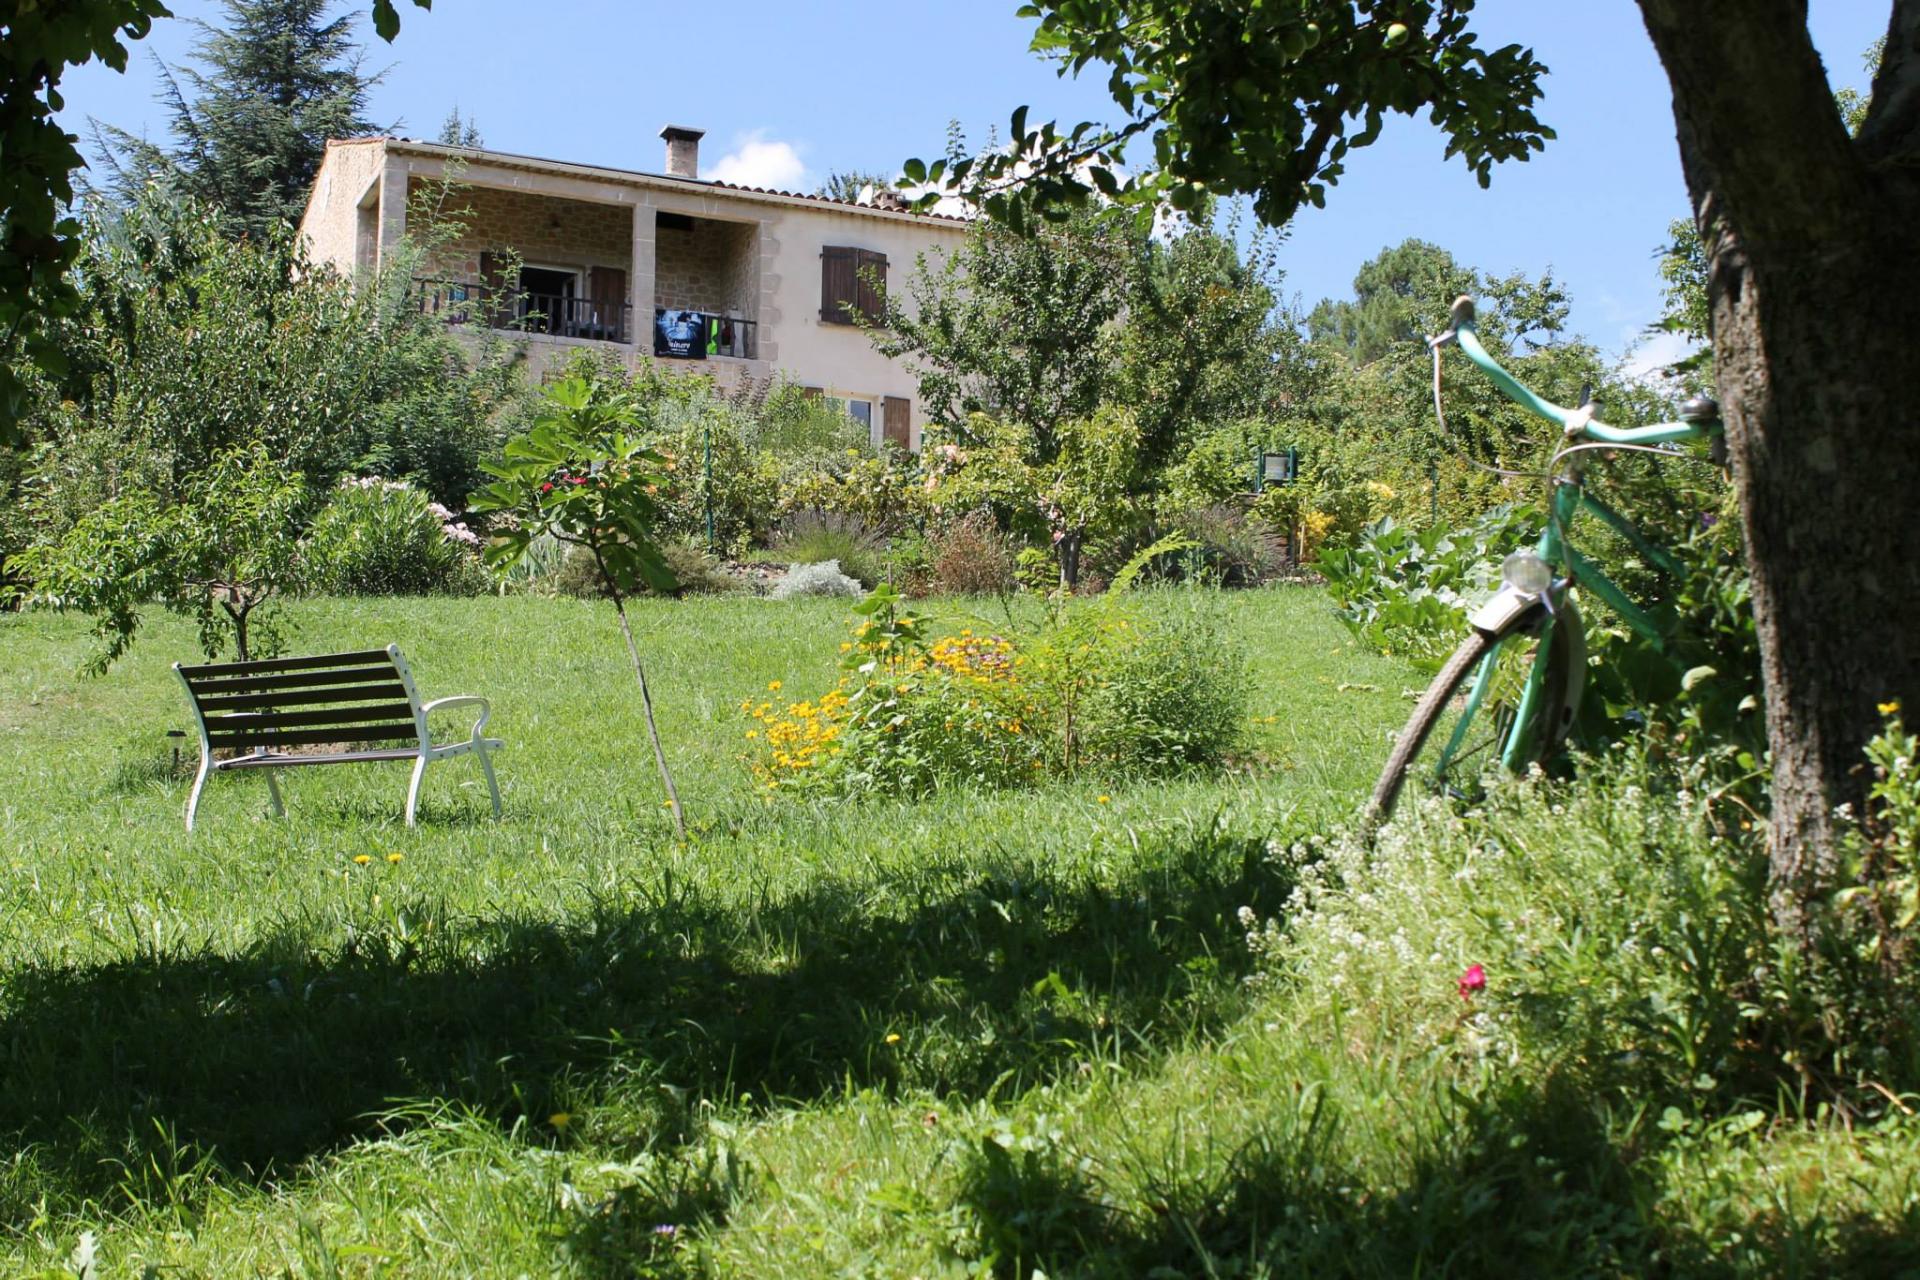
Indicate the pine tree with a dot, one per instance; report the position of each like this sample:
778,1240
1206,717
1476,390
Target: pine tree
251,118
460,131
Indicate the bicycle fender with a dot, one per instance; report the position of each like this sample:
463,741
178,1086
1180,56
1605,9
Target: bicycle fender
1507,607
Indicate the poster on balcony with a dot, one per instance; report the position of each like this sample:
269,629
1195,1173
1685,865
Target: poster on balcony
680,334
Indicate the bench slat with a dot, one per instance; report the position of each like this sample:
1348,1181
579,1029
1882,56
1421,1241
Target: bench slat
273,761
311,737
389,713
290,680
358,658
301,697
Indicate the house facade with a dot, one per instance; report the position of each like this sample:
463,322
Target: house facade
739,283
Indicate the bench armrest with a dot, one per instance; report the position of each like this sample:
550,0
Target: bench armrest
462,700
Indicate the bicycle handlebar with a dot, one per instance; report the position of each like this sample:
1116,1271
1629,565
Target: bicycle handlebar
1573,421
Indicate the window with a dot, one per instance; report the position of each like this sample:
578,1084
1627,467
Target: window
861,411
852,285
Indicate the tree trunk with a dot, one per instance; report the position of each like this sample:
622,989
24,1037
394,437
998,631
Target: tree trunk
1068,551
1813,283
646,697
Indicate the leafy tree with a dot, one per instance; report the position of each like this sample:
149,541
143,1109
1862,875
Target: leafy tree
1089,487
1201,338
38,242
251,122
219,550
1810,289
581,475
849,185
1013,327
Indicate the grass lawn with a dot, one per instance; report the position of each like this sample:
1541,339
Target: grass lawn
512,1048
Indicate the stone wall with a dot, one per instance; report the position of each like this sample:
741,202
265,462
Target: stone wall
541,229
710,266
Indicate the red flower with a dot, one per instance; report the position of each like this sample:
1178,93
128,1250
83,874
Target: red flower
547,487
576,479
1474,979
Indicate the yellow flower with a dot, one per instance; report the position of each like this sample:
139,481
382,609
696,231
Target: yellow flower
560,1119
753,733
362,859
893,1037
1890,708
395,857
773,684
1104,799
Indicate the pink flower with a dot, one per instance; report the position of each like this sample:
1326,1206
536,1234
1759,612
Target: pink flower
1474,979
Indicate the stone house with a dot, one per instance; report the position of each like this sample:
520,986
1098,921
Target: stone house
740,283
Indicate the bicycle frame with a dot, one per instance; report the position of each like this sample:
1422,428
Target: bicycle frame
1569,498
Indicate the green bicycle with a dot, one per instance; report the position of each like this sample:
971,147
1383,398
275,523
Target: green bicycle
1525,649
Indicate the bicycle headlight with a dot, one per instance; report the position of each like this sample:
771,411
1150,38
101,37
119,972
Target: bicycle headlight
1526,572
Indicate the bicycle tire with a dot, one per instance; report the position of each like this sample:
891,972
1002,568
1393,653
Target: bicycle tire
1554,712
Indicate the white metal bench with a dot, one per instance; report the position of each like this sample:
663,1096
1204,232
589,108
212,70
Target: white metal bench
280,713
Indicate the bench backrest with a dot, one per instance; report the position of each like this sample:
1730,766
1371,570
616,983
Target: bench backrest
361,697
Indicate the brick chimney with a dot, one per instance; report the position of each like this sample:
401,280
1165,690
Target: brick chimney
683,150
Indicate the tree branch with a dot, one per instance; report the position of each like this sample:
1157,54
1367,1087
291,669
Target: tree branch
1892,128
1758,126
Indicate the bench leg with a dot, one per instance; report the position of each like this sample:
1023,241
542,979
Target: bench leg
413,788
193,797
486,767
273,792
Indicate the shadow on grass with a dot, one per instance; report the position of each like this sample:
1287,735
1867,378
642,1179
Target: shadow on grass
1525,1183
953,978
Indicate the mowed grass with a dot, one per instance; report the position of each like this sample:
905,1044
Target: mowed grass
566,1043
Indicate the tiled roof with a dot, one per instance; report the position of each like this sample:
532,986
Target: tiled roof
512,156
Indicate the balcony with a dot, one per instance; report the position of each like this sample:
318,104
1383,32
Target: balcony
696,335
521,311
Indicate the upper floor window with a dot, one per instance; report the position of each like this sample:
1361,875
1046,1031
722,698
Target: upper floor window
852,285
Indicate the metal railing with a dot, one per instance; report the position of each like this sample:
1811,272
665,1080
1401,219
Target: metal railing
461,302
720,335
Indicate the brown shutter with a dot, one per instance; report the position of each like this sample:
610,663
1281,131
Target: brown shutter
871,298
607,286
897,425
813,393
839,284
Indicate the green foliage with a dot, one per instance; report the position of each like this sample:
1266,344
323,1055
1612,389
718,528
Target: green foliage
1264,100
251,121
813,537
1175,697
582,475
386,538
1881,906
222,552
38,243
1408,591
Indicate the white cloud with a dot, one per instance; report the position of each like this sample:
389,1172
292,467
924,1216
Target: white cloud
1654,352
756,161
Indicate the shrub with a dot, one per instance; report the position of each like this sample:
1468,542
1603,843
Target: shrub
815,537
1172,696
971,557
1407,591
1099,687
384,538
823,579
1232,549
695,573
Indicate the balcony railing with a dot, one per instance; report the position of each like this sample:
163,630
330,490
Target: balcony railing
717,335
458,302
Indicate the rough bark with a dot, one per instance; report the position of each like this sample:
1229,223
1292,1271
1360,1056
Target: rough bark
1813,283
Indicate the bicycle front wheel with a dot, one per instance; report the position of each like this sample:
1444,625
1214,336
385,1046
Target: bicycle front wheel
1486,725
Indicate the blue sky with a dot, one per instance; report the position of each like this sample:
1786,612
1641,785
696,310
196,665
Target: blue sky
791,91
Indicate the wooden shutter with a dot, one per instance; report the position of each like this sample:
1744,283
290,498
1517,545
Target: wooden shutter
839,284
607,286
897,426
871,285
813,393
